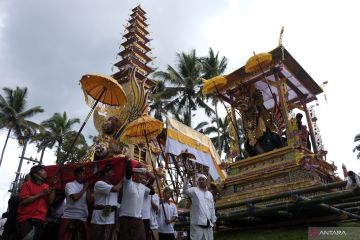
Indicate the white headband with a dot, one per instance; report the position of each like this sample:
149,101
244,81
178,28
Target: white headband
140,170
200,175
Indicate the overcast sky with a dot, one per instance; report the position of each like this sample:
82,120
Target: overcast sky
47,46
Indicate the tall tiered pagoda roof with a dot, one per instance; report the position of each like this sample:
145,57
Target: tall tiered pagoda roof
135,52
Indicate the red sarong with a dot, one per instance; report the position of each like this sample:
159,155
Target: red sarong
73,229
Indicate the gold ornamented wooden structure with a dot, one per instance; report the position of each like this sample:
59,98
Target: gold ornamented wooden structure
289,182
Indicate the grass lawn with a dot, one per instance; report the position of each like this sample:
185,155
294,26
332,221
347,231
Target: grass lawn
284,233
287,233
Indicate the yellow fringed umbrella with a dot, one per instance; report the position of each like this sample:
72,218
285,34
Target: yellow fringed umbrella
257,61
141,129
212,84
103,89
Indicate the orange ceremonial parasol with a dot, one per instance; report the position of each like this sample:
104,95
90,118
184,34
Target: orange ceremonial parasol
141,129
257,62
213,84
103,89
100,88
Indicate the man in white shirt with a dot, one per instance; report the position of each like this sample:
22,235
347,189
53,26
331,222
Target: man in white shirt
202,211
166,219
154,227
105,206
134,192
76,210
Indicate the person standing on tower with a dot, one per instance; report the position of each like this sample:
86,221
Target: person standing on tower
303,132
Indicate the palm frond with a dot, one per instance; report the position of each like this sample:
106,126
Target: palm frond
31,112
201,125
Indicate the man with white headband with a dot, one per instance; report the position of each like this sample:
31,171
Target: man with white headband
202,211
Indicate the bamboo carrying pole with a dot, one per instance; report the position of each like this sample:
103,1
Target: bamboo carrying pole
352,209
79,132
61,164
156,180
164,157
348,204
330,208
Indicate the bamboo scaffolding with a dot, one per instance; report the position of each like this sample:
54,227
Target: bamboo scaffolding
352,209
348,204
292,206
330,208
347,200
283,194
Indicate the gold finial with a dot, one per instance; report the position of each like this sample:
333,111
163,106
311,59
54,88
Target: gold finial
281,36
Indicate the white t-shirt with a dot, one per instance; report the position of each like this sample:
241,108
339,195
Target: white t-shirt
171,211
103,196
153,214
133,198
75,209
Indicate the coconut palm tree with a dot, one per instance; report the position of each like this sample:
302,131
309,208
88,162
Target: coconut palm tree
77,152
357,147
59,127
160,99
183,84
224,144
212,66
43,139
14,115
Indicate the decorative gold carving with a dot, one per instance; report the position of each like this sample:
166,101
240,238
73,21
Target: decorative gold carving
254,115
112,123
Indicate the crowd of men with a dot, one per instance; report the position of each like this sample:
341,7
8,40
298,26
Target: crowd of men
130,209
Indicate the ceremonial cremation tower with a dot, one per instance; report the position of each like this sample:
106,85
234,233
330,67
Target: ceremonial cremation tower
136,50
